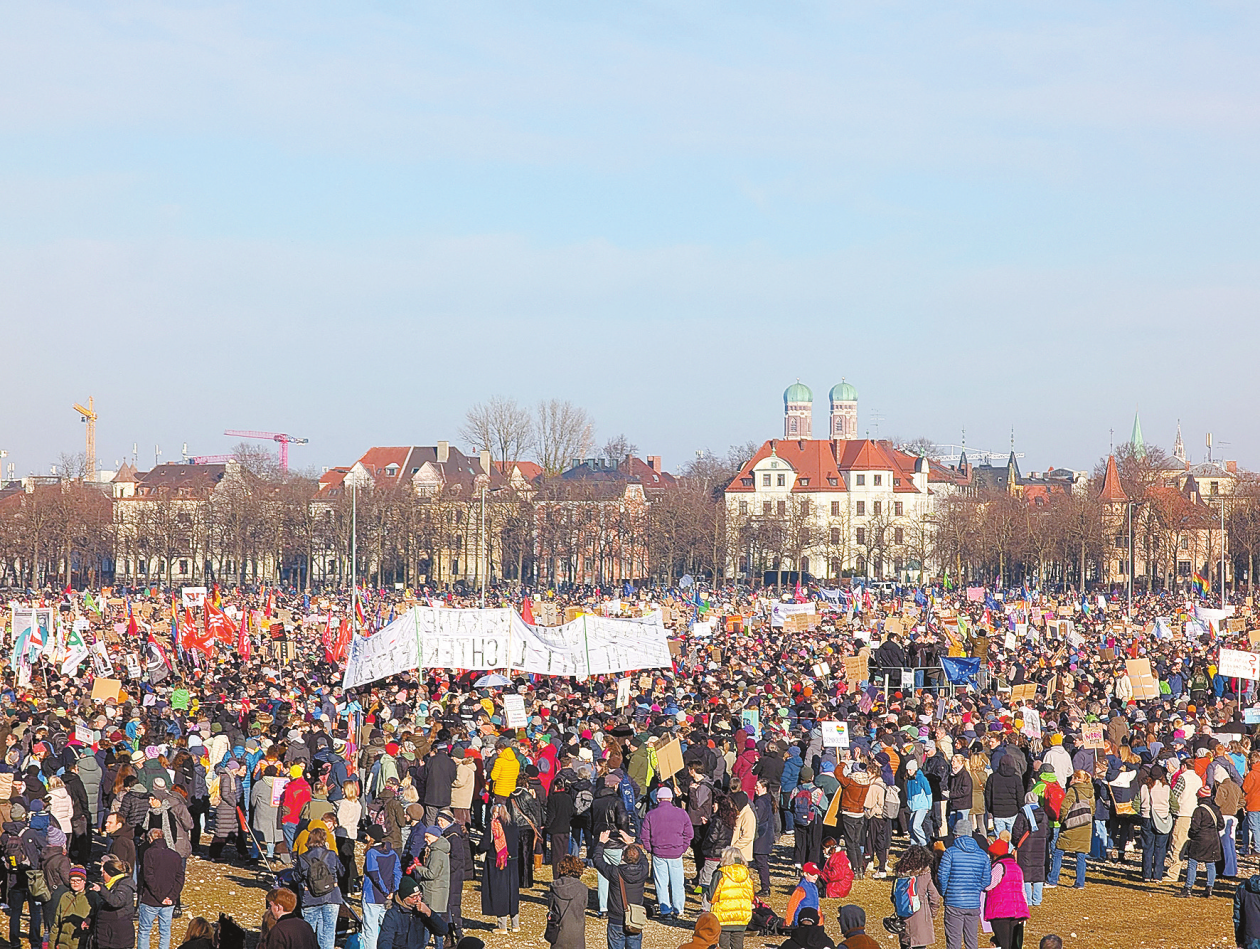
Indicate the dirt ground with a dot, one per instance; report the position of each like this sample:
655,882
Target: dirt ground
1114,911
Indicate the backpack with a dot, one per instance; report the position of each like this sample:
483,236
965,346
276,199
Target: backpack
802,806
892,802
583,796
319,879
904,898
765,921
213,790
376,814
1052,795
14,853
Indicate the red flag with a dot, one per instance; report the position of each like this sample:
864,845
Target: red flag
195,636
243,641
527,612
342,644
327,639
219,627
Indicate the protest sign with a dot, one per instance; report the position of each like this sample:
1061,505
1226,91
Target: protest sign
1145,685
192,598
669,758
1234,663
855,669
835,734
105,689
1025,692
623,691
1091,736
751,719
83,734
514,711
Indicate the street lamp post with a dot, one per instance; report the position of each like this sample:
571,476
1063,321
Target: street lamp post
1129,572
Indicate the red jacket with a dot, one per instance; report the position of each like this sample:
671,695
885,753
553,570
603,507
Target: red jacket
743,772
297,793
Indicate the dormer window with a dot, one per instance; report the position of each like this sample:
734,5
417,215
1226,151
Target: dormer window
746,482
804,481
833,481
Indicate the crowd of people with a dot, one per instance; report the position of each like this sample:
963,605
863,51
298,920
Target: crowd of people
374,810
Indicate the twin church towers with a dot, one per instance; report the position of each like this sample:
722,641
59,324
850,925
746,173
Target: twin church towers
798,411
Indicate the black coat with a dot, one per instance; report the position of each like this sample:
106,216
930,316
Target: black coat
1004,791
116,914
461,857
162,874
1031,855
608,813
959,785
439,777
634,875
1204,843
560,811
500,889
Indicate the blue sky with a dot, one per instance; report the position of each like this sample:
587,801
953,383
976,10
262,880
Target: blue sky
350,221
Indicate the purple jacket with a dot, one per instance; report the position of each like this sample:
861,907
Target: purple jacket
666,831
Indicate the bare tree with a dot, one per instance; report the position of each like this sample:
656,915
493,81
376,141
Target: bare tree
918,446
618,449
561,431
500,425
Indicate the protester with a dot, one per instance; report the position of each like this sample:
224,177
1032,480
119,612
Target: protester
566,904
626,882
963,876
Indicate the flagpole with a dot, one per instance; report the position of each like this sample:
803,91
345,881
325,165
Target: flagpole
354,557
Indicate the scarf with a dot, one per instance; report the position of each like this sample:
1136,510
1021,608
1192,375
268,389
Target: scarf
500,844
1028,812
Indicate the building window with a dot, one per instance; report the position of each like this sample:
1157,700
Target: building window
833,481
767,507
1185,543
898,508
792,425
743,507
765,481
898,564
1183,568
835,508
835,535
861,508
896,482
861,479
805,507
455,565
183,567
782,508
1216,488
804,482
782,480
877,506
879,480
861,535
1121,543
746,482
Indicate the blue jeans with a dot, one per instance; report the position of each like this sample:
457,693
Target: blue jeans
917,834
1253,831
1003,824
601,886
954,817
618,938
1032,893
1228,845
323,920
1098,843
290,835
372,914
19,899
1154,850
667,872
1192,872
163,915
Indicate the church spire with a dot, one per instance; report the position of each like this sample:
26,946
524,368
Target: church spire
1135,440
1179,448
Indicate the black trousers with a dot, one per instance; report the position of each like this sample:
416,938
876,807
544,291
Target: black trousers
762,862
559,850
854,840
878,834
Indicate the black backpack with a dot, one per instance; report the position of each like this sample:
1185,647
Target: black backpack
319,879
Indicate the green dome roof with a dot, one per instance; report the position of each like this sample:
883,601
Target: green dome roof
843,393
797,393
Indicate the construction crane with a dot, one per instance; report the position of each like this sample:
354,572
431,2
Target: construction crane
210,459
89,416
284,441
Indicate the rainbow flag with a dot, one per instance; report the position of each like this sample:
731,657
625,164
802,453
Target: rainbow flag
1201,585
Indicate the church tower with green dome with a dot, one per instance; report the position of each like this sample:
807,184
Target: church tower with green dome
798,411
844,400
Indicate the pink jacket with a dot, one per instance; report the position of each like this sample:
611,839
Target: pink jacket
1005,898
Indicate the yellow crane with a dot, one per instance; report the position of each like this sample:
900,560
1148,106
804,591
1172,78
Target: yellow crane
89,416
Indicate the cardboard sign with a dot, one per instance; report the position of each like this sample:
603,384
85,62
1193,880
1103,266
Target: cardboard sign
893,625
835,734
1253,636
1236,624
980,647
1145,685
105,689
796,623
1024,692
277,790
669,758
1234,663
855,669
84,734
623,692
1092,736
514,711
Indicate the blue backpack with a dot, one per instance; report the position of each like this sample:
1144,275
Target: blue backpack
802,806
904,898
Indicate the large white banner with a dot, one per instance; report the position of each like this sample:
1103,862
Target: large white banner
781,611
433,638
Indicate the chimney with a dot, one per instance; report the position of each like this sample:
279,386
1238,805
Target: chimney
485,460
654,462
443,452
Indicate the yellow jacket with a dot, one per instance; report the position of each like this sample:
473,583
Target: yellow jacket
733,898
507,767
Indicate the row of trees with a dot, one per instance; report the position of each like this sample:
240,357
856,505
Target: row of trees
261,524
